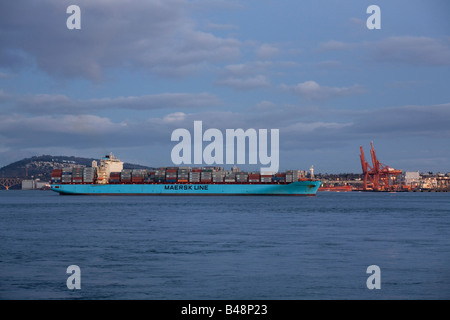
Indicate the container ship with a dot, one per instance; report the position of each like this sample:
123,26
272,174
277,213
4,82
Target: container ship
109,178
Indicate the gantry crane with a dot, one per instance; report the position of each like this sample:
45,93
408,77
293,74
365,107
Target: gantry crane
378,176
9,182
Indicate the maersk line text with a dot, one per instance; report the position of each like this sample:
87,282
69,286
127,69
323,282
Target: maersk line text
214,151
186,187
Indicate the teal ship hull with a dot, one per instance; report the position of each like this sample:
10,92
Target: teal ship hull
298,188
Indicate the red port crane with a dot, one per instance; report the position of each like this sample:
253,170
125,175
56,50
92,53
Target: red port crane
9,182
378,176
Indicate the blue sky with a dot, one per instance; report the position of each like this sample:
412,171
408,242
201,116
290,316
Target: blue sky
137,70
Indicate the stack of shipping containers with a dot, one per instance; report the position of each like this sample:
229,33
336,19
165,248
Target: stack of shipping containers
254,178
77,175
183,174
171,174
218,176
66,176
114,177
289,177
241,177
137,176
266,178
160,175
279,178
230,177
149,177
206,176
89,175
56,176
295,174
194,175
125,176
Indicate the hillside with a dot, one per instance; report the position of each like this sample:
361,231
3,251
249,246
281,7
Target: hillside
41,166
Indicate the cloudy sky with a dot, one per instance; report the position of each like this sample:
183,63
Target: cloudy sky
139,69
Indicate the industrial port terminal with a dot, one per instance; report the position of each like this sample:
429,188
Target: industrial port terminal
375,176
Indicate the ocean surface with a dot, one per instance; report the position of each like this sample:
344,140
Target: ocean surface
233,248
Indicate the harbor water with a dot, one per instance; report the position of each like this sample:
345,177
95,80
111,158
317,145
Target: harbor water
228,247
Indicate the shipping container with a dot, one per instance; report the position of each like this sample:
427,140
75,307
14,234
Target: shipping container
266,180
56,174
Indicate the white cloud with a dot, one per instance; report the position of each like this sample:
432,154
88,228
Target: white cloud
334,45
329,64
157,101
61,104
246,69
357,22
266,51
217,26
4,96
311,90
406,121
4,75
245,76
264,106
418,51
152,35
298,129
258,81
69,124
302,127
175,117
